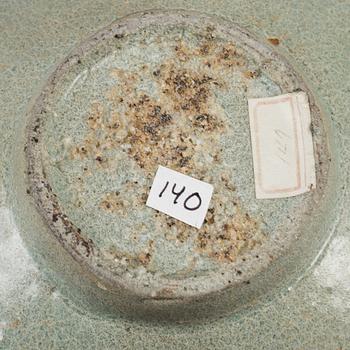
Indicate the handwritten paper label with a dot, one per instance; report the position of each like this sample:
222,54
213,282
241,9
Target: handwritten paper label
282,146
180,196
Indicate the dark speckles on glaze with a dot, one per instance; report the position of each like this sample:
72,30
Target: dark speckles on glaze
177,129
309,316
171,95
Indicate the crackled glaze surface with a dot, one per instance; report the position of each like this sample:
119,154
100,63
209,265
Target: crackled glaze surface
35,306
170,90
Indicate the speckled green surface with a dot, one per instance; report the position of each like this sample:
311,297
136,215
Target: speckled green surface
313,313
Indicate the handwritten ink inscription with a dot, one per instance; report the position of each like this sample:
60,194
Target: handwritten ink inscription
180,196
281,140
282,146
187,201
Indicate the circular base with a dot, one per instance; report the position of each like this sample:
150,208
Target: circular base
170,89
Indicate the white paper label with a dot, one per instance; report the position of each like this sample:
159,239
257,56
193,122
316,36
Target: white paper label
180,196
282,146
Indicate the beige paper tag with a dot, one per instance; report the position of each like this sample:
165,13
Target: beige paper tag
282,145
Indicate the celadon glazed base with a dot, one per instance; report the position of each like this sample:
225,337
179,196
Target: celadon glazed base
50,297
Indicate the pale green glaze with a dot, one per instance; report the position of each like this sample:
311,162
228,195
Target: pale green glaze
35,306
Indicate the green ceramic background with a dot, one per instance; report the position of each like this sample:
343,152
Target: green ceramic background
313,313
